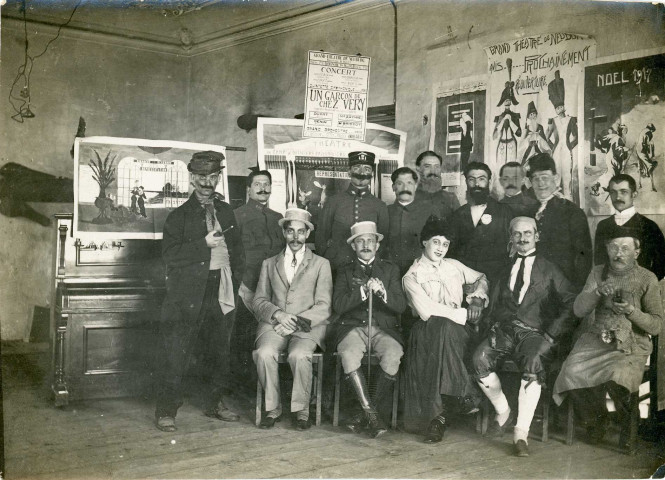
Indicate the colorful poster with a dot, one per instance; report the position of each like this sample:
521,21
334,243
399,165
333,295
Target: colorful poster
624,114
533,103
124,188
458,125
316,168
336,102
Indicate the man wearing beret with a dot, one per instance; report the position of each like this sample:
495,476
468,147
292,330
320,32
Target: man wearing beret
356,204
204,258
351,331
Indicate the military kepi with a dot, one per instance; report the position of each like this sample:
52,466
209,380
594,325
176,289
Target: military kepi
297,214
361,158
206,163
362,228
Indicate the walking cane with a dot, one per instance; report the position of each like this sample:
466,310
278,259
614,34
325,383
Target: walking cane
369,336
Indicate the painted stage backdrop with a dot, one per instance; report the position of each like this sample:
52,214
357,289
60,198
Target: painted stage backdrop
532,97
124,188
307,171
624,110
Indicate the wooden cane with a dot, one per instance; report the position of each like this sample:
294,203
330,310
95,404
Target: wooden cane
369,335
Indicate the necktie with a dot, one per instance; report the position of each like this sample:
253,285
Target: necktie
519,281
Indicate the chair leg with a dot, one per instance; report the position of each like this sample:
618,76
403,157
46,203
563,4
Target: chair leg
546,399
395,402
479,421
259,401
319,389
485,412
570,423
338,374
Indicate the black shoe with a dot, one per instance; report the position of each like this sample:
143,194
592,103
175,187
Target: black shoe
435,431
375,425
302,424
166,424
268,422
496,430
221,412
358,423
521,449
467,406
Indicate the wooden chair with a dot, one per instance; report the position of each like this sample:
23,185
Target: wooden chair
317,379
338,388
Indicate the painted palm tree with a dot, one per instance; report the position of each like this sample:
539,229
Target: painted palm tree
103,171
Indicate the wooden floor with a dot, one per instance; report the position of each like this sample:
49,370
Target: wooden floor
117,439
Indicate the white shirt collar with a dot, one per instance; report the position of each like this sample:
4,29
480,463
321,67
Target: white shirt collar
622,217
299,254
367,263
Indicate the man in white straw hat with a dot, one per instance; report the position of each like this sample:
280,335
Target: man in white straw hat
293,305
368,276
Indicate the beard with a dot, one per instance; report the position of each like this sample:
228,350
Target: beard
479,195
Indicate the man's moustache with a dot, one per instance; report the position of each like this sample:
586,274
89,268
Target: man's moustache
405,192
262,192
510,186
433,175
360,176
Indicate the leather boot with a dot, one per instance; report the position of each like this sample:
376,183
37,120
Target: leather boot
629,417
375,426
382,398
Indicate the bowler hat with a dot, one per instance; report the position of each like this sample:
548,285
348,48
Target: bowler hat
297,214
206,163
361,228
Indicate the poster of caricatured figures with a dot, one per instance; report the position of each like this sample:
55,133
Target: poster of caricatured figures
532,96
624,110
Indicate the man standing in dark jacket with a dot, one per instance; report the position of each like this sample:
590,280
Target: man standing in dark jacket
204,259
351,333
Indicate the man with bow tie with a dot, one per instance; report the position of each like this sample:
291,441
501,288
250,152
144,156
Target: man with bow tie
350,333
293,305
530,311
204,260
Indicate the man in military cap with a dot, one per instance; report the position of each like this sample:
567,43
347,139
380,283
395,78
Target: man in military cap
204,258
261,238
356,204
440,203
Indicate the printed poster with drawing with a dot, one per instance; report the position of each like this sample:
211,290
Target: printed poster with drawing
307,171
624,111
532,97
124,188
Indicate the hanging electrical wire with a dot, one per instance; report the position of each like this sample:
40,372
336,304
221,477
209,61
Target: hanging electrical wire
21,103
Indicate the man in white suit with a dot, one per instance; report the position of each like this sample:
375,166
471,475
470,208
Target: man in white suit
293,305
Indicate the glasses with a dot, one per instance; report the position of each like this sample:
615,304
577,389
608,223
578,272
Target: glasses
614,249
213,177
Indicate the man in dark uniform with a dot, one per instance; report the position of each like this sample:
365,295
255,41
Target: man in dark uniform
564,232
521,200
407,218
262,238
623,190
481,227
350,333
441,203
204,258
344,209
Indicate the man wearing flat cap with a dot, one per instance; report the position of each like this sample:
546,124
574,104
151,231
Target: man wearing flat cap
204,259
293,303
350,332
609,357
356,204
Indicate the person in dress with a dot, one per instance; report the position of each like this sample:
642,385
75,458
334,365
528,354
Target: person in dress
436,379
609,357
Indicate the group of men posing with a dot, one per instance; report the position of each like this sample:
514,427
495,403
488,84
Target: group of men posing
481,283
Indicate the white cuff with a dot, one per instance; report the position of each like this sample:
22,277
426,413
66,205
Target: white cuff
480,295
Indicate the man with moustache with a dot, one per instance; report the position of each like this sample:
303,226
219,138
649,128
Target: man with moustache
356,204
204,258
292,304
520,199
609,357
623,190
350,333
262,238
407,218
524,327
430,192
481,226
564,232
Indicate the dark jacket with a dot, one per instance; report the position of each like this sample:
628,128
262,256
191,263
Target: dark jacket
351,311
565,239
339,213
652,243
524,204
483,248
441,203
547,303
187,257
261,237
403,240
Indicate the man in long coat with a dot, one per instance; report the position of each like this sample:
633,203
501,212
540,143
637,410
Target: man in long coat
204,259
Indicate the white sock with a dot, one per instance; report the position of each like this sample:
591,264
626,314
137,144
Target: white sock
491,387
527,401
